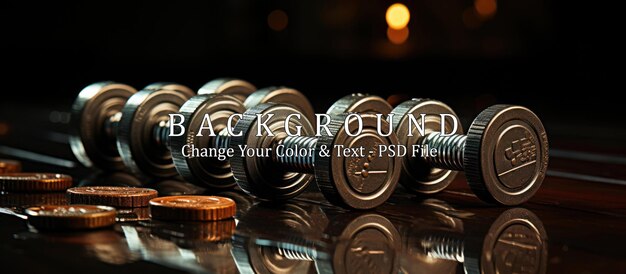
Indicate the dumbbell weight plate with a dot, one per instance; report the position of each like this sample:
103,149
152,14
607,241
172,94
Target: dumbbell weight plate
417,176
360,103
89,140
171,86
240,89
136,138
506,154
356,182
283,96
258,175
205,171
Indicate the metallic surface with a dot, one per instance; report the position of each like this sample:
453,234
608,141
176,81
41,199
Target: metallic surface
170,86
360,103
237,88
116,196
204,171
417,175
506,154
34,182
356,182
260,176
137,140
70,217
92,145
285,96
192,208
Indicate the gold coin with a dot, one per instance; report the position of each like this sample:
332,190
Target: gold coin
117,196
192,208
70,217
34,182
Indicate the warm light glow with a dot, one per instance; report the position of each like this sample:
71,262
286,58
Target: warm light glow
398,36
4,128
398,16
277,20
485,8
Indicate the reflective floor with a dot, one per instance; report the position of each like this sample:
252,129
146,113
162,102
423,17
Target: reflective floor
448,233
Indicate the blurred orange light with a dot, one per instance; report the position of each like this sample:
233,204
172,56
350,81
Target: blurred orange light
277,20
4,128
397,16
398,36
485,8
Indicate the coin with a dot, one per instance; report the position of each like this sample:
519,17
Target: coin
192,208
34,182
10,166
117,196
70,217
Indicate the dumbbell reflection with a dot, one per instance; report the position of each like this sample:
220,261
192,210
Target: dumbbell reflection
303,240
436,240
515,241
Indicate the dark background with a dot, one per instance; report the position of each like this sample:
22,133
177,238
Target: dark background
534,53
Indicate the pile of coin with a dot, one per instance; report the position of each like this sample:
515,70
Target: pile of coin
92,207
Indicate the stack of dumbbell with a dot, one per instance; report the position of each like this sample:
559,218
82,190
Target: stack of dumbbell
115,127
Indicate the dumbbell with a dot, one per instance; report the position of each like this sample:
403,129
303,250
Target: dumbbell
353,182
215,173
143,140
504,154
95,117
140,128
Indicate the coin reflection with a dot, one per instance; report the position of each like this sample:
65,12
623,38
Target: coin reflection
255,243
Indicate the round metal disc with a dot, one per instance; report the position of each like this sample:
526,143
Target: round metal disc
240,89
360,103
515,242
204,171
417,176
284,96
91,143
171,86
259,176
506,154
136,142
363,181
